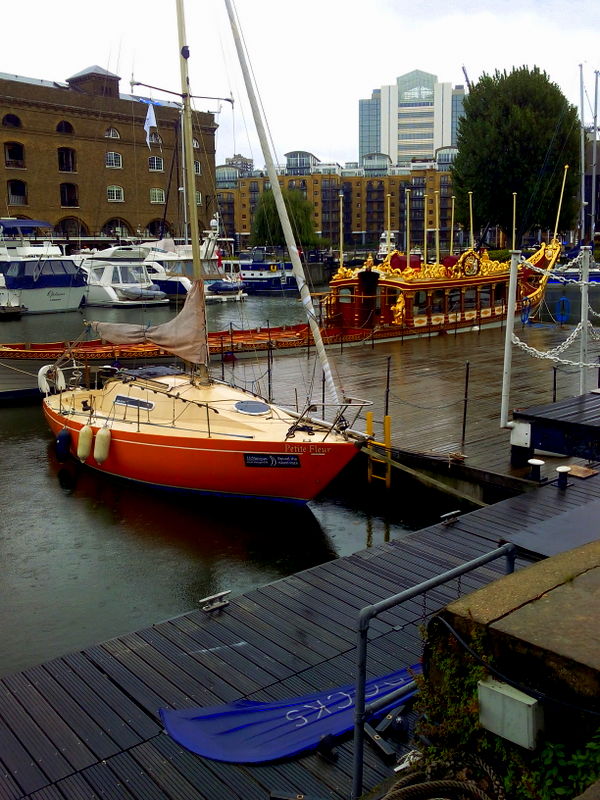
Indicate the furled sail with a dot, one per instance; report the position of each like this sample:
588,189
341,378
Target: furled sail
184,335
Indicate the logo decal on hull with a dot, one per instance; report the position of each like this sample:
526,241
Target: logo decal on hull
267,460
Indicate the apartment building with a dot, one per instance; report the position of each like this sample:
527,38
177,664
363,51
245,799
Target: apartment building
368,199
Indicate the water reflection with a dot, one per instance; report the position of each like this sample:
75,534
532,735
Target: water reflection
280,537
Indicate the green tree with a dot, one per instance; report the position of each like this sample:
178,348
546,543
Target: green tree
266,227
517,134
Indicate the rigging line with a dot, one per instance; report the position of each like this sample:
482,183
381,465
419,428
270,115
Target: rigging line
528,209
256,89
591,107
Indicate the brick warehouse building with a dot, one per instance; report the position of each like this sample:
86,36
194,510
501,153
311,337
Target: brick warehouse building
75,155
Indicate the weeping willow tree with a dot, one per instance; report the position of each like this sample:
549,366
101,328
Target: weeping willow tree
517,133
266,227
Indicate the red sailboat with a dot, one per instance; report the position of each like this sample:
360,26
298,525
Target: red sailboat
186,430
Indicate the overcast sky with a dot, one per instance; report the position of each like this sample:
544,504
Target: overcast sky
313,60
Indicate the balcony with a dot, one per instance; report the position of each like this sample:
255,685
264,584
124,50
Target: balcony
17,200
14,163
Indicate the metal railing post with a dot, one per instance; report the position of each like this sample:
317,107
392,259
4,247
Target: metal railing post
367,613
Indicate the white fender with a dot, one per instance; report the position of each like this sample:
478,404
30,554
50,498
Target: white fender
56,375
84,443
102,445
43,384
61,383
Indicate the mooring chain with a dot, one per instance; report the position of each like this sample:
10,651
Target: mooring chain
556,274
553,354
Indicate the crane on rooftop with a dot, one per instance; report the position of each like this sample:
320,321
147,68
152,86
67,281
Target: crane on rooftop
466,77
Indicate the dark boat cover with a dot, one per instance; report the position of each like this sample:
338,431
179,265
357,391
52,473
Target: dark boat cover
249,732
11,224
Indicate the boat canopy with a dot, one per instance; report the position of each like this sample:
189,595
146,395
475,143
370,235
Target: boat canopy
10,224
249,732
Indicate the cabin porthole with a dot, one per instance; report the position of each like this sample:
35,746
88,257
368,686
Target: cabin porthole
254,408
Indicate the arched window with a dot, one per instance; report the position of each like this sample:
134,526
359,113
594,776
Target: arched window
116,227
66,160
159,227
17,193
198,198
195,144
14,155
155,138
69,195
71,227
115,194
157,195
155,164
112,133
64,127
197,169
113,160
11,121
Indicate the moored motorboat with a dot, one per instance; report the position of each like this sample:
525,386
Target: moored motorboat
36,275
10,305
117,283
263,272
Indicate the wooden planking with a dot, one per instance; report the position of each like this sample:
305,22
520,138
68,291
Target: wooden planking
97,681
428,383
74,730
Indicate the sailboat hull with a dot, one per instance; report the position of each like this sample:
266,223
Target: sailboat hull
282,470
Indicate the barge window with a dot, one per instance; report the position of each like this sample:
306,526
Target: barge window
500,294
345,295
437,301
454,300
485,296
470,298
420,303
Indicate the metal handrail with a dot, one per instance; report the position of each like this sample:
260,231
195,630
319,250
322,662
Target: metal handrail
369,612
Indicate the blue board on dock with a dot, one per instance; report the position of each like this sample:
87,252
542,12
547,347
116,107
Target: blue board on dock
249,732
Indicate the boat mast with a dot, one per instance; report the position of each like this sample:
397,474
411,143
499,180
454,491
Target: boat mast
407,210
341,259
297,268
388,233
594,148
582,143
188,151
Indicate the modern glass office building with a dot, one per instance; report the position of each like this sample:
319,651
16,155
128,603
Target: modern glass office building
369,115
411,118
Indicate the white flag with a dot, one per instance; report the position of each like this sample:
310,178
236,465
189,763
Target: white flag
149,123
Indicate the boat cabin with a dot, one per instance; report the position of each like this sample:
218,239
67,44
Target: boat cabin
38,273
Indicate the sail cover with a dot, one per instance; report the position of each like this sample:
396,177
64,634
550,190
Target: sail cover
250,732
184,335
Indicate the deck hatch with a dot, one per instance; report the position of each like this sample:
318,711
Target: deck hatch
134,402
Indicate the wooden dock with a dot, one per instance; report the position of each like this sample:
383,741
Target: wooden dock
86,725
426,400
